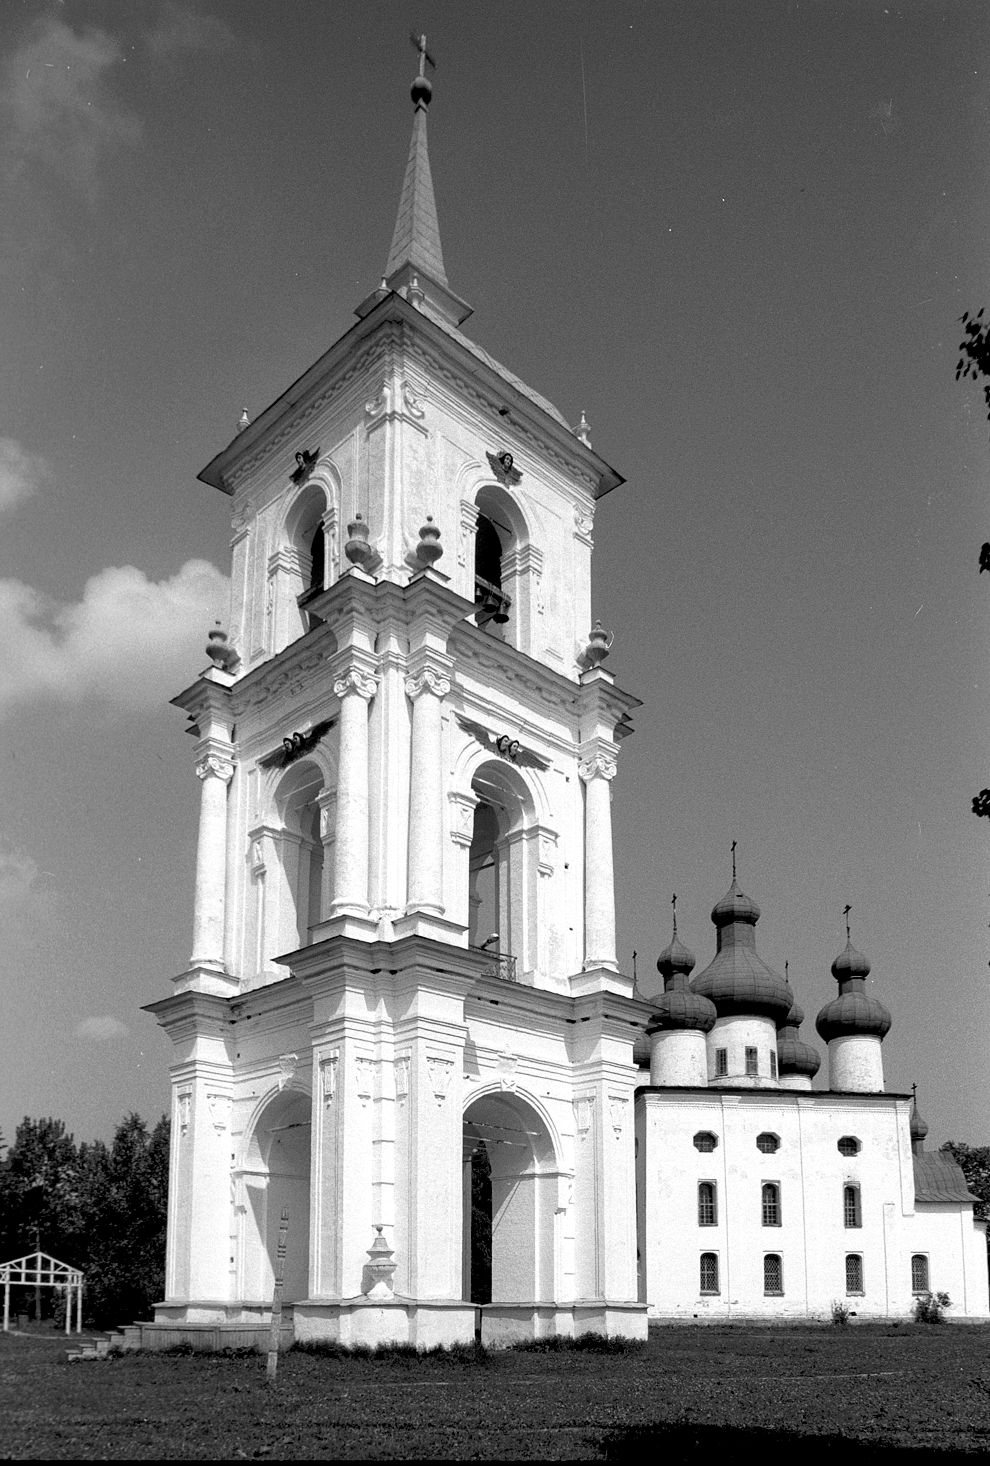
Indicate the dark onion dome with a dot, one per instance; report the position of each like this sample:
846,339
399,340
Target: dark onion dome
794,1056
678,1007
919,1128
738,981
853,1011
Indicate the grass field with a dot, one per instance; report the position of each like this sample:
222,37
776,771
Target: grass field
864,1392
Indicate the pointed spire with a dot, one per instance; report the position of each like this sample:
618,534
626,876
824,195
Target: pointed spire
416,239
415,267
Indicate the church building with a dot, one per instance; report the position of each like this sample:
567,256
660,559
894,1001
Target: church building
403,1046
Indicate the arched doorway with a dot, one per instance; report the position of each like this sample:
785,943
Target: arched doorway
510,1200
276,1178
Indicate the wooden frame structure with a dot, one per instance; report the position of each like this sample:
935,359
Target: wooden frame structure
38,1270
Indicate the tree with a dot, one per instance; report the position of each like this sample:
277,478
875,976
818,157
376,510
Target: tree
974,361
974,1161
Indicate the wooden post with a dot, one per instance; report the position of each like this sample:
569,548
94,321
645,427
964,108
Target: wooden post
79,1308
276,1328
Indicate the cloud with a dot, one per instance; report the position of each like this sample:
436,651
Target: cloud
129,641
58,110
21,473
101,1029
179,29
18,875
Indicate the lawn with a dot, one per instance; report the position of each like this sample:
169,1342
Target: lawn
859,1393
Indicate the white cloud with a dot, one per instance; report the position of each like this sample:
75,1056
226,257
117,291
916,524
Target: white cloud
181,29
21,473
59,110
101,1029
18,875
129,640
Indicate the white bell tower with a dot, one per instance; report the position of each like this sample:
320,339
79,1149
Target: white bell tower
403,1020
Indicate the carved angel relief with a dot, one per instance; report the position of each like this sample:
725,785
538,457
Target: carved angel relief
503,467
505,746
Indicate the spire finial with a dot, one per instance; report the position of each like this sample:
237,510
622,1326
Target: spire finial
421,90
733,859
845,911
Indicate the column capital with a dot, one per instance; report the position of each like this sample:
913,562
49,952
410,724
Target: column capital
598,766
355,680
427,679
215,766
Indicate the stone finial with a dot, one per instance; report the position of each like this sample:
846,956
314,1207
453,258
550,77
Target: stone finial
380,1267
429,550
599,645
583,430
223,656
414,292
243,421
357,549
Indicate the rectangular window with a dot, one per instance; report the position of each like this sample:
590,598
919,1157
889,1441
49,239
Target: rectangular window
751,1064
773,1274
854,1273
773,1065
709,1272
919,1273
852,1215
771,1204
707,1204
721,1062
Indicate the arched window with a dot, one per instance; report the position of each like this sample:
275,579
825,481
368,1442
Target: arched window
297,567
709,1272
507,569
317,559
707,1204
770,1201
773,1274
852,1215
854,1272
919,1273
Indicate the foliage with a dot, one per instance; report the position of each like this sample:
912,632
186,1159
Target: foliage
96,1209
930,1307
974,360
840,1313
974,1161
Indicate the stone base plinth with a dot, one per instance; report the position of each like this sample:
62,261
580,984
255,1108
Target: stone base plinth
208,1327
504,1324
374,1321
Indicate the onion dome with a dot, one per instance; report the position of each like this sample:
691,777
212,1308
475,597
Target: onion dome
853,1011
794,1056
919,1128
678,1006
738,981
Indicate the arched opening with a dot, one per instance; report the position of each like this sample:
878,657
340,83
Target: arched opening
502,869
510,1201
301,888
297,569
276,1179
500,533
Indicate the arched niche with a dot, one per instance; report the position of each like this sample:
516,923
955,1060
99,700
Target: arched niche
511,1193
304,560
274,1176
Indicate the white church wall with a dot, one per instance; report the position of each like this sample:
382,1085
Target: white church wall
811,1237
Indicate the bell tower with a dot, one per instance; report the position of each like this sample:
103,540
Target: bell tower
404,929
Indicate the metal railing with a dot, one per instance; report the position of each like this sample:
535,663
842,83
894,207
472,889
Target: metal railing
499,964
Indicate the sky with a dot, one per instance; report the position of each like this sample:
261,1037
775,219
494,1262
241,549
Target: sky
738,235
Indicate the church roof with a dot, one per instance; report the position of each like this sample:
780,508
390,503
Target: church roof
937,1177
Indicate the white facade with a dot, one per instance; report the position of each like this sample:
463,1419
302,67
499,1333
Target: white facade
403,993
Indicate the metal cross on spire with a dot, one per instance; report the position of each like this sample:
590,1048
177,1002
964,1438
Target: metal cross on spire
845,911
734,859
425,59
